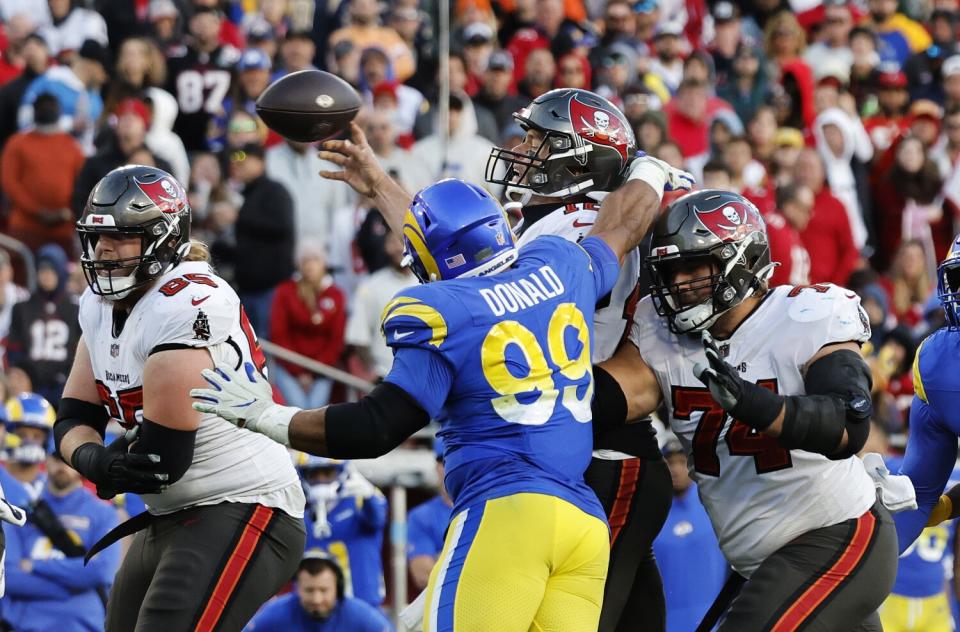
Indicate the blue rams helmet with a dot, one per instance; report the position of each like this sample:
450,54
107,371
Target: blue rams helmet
30,409
948,284
454,229
307,462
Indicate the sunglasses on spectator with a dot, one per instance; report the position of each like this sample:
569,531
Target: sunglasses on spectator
243,126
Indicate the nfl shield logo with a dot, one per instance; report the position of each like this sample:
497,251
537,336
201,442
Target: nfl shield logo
114,350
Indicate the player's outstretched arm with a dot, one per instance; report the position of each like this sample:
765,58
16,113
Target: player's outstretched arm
625,388
362,171
627,213
369,428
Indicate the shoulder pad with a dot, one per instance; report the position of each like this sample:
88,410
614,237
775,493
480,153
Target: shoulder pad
837,308
409,321
935,367
197,310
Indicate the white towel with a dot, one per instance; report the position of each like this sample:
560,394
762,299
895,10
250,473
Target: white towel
412,615
896,490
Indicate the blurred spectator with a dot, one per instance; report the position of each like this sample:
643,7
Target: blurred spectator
199,76
10,295
908,283
467,152
36,58
899,35
296,166
827,237
266,235
30,419
364,31
668,47
243,128
727,39
133,121
165,23
651,130
70,26
308,316
253,77
382,136
946,153
716,175
160,138
381,89
11,58
890,122
787,145
925,117
318,604
573,71
865,70
38,171
477,40
784,43
45,328
35,10
370,356
415,28
539,71
748,174
687,552
795,206
427,526
494,94
689,114
908,204
49,586
297,51
832,48
207,186
346,517
140,65
923,68
841,140
748,86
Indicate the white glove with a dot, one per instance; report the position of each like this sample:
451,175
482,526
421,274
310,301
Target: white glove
357,485
11,513
412,615
896,490
661,176
244,398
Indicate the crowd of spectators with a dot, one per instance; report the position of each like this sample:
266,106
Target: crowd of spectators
839,119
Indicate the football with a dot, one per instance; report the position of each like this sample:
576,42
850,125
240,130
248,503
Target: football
308,106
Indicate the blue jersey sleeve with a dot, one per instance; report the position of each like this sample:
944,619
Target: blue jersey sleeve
424,375
604,264
929,460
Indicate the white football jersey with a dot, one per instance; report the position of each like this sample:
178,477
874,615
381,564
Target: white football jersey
610,322
759,495
190,306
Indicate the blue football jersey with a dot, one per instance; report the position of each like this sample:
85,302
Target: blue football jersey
507,358
934,427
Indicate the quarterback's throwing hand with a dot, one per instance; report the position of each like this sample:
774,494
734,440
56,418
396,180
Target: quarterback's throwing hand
360,167
243,397
674,179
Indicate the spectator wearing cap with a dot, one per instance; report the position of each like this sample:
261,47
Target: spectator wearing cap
38,169
199,76
477,48
51,310
297,51
252,78
128,135
668,47
539,71
495,94
784,225
77,87
890,122
318,603
36,58
364,30
689,114
898,36
827,236
261,34
265,229
832,48
923,68
573,71
165,23
727,39
648,16
925,116
619,25
71,26
688,554
951,81
748,85
788,142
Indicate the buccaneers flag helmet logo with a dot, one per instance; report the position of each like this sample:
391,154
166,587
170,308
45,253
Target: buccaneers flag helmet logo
166,193
731,220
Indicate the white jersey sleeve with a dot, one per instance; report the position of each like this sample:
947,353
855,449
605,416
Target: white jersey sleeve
821,315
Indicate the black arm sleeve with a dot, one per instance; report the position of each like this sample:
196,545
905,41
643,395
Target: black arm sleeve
74,412
373,426
838,398
174,447
609,406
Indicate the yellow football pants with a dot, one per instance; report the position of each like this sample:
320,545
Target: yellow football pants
519,563
916,614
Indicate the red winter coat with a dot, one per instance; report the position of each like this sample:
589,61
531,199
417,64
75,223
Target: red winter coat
829,241
317,334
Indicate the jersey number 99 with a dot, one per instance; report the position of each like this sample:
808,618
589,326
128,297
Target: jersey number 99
538,384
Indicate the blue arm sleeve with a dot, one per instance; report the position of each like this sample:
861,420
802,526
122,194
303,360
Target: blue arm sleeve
424,375
929,460
605,265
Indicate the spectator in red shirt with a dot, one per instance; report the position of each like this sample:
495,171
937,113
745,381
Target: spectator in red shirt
827,236
908,284
890,122
689,114
795,202
308,316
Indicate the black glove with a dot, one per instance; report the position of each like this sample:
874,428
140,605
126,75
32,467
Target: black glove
116,471
754,405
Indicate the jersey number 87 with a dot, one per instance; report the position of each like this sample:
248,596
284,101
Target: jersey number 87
538,385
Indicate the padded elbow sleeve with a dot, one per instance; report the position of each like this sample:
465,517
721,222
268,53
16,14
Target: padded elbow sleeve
609,406
373,426
74,412
174,447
